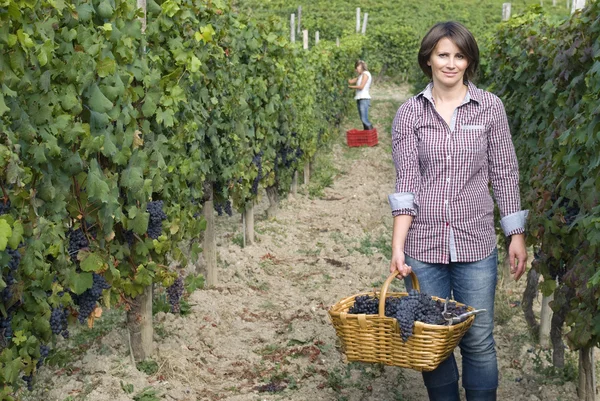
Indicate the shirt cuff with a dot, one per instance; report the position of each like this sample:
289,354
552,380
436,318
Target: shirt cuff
514,223
403,203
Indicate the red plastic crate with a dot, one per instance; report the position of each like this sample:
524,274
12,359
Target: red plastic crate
355,137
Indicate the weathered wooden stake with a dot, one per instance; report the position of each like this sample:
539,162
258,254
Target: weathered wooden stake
357,19
577,5
249,224
337,42
139,317
210,244
364,26
316,38
305,39
299,19
273,195
586,391
292,29
545,321
307,173
506,11
139,326
294,189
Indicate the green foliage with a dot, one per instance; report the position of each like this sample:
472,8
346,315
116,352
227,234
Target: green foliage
548,75
395,27
98,119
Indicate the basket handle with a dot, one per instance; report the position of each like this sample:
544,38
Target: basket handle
384,289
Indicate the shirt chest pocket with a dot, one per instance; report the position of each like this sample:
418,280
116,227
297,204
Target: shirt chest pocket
471,139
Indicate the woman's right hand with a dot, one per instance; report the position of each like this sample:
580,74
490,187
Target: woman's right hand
399,265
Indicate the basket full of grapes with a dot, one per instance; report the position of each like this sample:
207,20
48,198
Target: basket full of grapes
410,330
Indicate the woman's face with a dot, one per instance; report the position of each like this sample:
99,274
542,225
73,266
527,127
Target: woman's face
359,69
448,64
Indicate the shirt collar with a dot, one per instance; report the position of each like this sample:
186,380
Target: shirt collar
472,93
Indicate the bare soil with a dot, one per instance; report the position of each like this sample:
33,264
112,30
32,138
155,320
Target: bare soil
264,333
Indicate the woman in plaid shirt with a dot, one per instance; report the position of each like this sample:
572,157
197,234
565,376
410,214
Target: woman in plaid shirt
449,143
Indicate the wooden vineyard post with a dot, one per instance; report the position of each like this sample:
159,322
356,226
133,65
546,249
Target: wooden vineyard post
305,39
294,189
337,42
139,326
292,29
299,19
586,391
139,316
357,19
506,11
364,26
316,38
307,173
273,195
577,5
210,244
545,321
249,224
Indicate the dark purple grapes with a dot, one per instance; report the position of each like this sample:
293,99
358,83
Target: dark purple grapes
416,306
4,206
77,241
157,215
174,293
58,320
88,300
257,161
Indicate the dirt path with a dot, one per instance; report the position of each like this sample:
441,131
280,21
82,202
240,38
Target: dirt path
264,333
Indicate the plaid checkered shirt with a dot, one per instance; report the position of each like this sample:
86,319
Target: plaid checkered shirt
443,174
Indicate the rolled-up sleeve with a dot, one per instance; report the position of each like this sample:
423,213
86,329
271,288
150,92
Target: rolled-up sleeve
405,155
504,173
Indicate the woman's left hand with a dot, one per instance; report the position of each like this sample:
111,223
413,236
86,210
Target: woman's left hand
517,255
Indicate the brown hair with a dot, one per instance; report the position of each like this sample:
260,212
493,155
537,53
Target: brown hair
458,34
361,63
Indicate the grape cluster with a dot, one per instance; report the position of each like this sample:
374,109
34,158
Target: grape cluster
155,208
13,264
44,352
416,306
77,241
4,207
365,304
6,326
129,237
58,321
257,161
88,299
28,381
223,207
174,293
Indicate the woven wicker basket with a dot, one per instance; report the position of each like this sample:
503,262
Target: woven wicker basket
376,338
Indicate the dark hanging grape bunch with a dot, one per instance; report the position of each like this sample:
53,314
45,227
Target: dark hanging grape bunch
28,381
58,321
77,241
155,208
416,306
44,352
13,264
6,325
88,299
4,207
174,293
129,237
223,207
257,161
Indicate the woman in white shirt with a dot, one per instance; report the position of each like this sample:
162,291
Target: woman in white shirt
362,83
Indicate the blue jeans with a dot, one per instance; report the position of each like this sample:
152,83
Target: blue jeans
363,112
473,284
